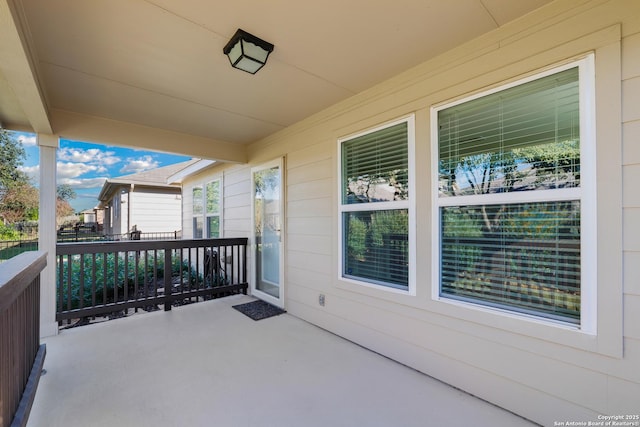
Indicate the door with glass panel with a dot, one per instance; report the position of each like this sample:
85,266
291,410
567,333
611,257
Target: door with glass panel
267,232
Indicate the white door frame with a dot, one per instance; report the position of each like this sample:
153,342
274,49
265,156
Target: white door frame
279,302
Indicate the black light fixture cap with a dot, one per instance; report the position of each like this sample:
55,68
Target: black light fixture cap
242,34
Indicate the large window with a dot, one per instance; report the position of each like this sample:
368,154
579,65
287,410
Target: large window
206,210
375,206
514,169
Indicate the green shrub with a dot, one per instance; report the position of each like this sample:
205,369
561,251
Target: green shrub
110,280
8,233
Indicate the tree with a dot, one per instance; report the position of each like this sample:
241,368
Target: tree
544,166
63,210
65,192
541,167
12,156
18,199
19,203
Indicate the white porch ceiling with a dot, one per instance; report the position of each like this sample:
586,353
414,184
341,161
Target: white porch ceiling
155,69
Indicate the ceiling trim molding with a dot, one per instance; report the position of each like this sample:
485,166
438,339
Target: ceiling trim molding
99,130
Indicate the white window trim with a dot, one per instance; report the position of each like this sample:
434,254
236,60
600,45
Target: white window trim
205,215
586,194
403,204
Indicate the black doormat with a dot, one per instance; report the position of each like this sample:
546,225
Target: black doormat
258,310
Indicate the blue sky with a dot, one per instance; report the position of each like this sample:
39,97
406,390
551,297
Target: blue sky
86,166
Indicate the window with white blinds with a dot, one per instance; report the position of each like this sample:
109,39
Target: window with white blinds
509,198
375,207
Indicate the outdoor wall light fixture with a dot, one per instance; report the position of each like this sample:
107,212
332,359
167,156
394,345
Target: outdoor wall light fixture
247,52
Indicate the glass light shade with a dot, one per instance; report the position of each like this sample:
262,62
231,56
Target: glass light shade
247,52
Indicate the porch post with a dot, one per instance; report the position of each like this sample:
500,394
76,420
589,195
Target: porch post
47,232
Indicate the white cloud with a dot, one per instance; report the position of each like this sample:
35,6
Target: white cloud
93,156
83,183
32,172
74,170
27,140
141,164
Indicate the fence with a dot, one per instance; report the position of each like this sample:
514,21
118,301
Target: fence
111,278
82,234
11,248
21,355
139,235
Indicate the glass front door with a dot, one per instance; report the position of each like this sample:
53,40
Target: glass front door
267,228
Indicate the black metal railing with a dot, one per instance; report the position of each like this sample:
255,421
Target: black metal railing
21,355
112,278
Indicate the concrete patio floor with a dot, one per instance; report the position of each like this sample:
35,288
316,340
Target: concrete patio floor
207,364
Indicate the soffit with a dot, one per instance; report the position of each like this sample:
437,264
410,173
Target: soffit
159,63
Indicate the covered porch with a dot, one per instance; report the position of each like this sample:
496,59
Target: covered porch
208,364
152,74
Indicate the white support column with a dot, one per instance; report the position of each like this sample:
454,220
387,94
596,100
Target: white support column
47,232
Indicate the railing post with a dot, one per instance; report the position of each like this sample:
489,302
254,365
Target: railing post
244,267
167,279
47,232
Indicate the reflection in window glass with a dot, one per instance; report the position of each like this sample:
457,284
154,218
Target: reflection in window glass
509,198
197,227
375,166
197,200
213,227
377,246
375,205
213,197
523,138
527,258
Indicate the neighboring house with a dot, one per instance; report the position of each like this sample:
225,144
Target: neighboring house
93,217
88,216
426,219
143,201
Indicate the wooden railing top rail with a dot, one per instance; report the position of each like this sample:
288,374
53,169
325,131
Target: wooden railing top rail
140,245
17,273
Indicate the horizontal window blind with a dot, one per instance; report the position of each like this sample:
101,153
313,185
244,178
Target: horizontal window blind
522,256
375,166
522,138
377,246
375,236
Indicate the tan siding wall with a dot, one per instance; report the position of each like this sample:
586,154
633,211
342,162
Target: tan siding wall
187,209
621,385
508,361
236,203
